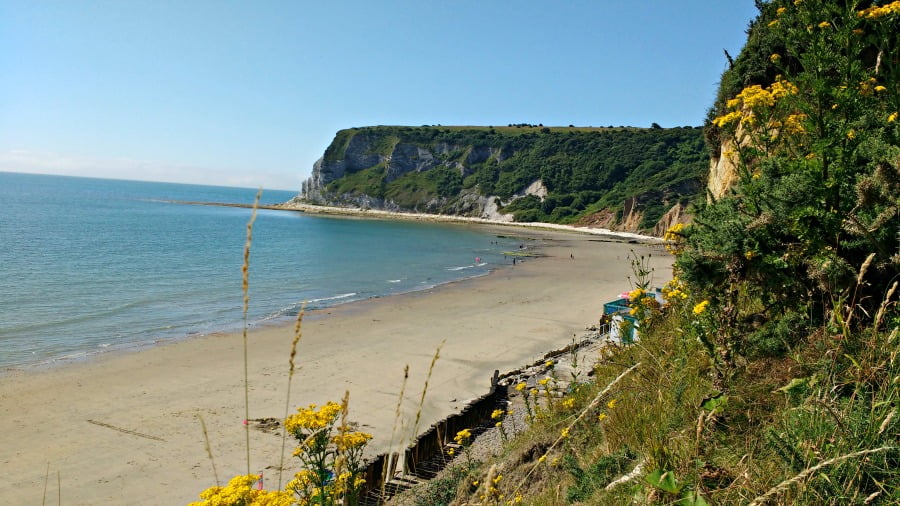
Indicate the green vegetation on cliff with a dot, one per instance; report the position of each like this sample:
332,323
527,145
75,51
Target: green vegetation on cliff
585,170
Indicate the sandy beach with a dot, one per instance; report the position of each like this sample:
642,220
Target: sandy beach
123,428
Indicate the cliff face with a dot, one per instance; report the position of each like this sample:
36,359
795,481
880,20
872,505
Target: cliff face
623,179
722,172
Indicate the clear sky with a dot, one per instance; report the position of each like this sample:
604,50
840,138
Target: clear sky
250,93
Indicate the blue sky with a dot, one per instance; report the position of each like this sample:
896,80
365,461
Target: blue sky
251,93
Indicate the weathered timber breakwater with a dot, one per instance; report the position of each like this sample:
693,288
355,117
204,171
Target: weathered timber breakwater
388,474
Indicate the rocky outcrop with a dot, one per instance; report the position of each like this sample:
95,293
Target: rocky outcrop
722,170
672,217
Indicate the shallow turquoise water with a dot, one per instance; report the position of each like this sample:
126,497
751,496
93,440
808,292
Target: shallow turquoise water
88,265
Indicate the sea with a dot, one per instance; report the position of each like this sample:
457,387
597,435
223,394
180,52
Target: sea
90,266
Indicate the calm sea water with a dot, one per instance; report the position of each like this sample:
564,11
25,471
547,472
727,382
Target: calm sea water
88,265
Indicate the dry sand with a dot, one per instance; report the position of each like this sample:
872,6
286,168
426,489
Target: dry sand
146,445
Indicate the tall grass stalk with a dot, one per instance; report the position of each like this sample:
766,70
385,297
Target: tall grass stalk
784,485
591,405
390,455
437,355
209,449
298,333
46,479
245,287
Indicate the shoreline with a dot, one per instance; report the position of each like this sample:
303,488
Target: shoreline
438,218
499,321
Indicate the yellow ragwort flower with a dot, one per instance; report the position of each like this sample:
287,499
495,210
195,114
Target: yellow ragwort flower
893,117
701,307
497,413
462,436
824,24
727,119
612,403
601,417
775,57
521,386
876,12
564,433
780,11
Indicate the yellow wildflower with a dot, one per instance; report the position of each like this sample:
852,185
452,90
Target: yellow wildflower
312,419
875,12
534,392
824,24
554,462
497,479
548,363
780,11
564,433
451,452
462,436
701,307
497,413
568,402
351,440
601,417
521,386
774,57
727,119
773,23
543,458
544,382
636,293
750,255
782,88
612,403
793,124
880,88
893,117
756,96
851,134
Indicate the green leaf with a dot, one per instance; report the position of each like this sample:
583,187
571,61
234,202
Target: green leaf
692,498
715,403
797,383
664,480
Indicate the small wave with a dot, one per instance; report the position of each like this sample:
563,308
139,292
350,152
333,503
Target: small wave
336,297
482,264
394,280
460,268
